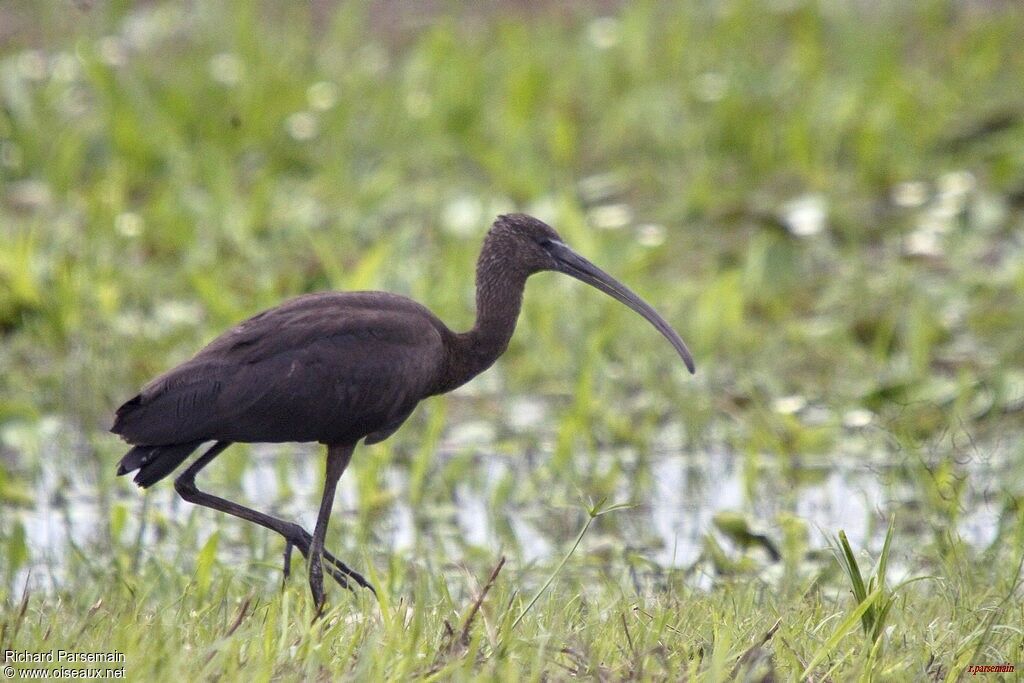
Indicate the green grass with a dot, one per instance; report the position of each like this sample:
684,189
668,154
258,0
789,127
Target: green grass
825,201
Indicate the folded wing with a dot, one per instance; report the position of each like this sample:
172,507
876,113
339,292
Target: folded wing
329,367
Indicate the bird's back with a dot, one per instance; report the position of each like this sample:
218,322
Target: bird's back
330,367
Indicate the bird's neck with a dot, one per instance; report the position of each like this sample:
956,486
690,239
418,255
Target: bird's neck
499,298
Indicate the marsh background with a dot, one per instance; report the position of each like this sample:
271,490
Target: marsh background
825,198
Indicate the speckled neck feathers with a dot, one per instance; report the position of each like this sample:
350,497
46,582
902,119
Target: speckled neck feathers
500,280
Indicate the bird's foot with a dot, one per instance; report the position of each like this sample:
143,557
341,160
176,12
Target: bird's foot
337,569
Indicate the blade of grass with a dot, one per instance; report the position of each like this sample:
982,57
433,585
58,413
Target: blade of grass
551,577
840,632
593,513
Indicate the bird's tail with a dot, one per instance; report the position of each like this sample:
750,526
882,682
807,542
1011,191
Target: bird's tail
154,462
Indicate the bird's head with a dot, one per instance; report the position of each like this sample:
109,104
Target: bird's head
535,246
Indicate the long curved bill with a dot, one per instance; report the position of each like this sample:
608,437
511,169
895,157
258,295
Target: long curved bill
571,263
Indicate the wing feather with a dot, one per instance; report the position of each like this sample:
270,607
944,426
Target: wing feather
318,368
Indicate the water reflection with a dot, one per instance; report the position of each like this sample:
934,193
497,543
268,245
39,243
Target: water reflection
671,515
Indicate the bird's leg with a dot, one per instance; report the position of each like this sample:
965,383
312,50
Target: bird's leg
287,570
337,460
295,536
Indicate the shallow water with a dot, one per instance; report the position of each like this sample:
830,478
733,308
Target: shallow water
673,503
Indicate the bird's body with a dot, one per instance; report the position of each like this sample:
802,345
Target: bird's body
337,368
330,367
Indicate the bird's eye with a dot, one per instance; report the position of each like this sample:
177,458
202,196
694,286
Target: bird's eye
545,242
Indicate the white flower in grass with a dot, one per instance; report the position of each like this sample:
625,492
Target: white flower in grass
805,216
604,32
112,50
910,194
322,95
302,126
611,216
857,418
128,224
227,69
463,216
651,235
32,65
789,405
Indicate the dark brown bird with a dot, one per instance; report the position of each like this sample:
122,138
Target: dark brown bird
337,367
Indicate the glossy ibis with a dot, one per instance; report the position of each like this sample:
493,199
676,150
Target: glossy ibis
335,368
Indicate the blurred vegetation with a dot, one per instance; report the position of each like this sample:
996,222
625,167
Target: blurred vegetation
826,199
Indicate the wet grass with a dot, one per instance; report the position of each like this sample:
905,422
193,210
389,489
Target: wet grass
825,201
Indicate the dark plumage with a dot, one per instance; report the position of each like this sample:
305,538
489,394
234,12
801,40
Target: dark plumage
337,368
298,372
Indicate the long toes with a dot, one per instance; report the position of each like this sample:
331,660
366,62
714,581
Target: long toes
338,570
340,578
302,540
347,571
358,578
342,567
